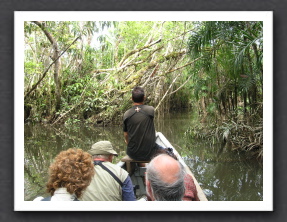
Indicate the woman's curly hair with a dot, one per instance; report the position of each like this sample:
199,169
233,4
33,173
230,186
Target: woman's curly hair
72,169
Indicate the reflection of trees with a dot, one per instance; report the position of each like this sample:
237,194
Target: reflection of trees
43,143
40,148
229,176
232,181
226,175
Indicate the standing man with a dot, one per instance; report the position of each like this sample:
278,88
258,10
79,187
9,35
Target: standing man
165,179
138,126
110,182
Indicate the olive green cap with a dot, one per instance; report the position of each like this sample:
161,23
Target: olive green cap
102,147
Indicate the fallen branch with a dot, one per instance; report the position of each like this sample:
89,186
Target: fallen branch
183,65
117,69
182,34
167,91
175,80
137,50
180,86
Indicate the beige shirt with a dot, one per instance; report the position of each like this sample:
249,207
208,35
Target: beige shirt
103,186
60,194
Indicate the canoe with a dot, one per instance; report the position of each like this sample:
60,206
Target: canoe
137,173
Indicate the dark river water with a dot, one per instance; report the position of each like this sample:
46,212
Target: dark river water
223,175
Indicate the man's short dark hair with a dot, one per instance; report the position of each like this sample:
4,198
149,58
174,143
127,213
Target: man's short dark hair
138,94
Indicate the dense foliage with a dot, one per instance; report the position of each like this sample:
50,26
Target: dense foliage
84,71
229,83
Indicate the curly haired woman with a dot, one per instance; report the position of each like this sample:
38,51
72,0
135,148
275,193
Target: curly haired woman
69,174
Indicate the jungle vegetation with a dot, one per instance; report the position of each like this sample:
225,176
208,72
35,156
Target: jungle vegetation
85,71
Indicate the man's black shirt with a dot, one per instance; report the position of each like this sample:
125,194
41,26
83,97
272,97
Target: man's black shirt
138,123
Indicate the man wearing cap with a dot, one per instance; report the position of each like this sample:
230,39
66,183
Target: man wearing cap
110,182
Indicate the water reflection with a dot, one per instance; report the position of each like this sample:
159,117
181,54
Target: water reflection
223,175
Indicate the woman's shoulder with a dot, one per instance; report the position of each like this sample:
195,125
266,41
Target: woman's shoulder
38,198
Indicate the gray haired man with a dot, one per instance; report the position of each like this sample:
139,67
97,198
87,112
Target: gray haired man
165,179
110,182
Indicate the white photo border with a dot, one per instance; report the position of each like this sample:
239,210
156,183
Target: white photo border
21,16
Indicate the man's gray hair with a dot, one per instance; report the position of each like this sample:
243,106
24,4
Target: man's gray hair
163,191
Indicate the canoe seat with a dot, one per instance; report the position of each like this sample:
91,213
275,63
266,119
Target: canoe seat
130,163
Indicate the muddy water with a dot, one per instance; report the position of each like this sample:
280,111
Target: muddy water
222,174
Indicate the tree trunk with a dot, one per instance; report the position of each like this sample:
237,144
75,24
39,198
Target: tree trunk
57,64
57,82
